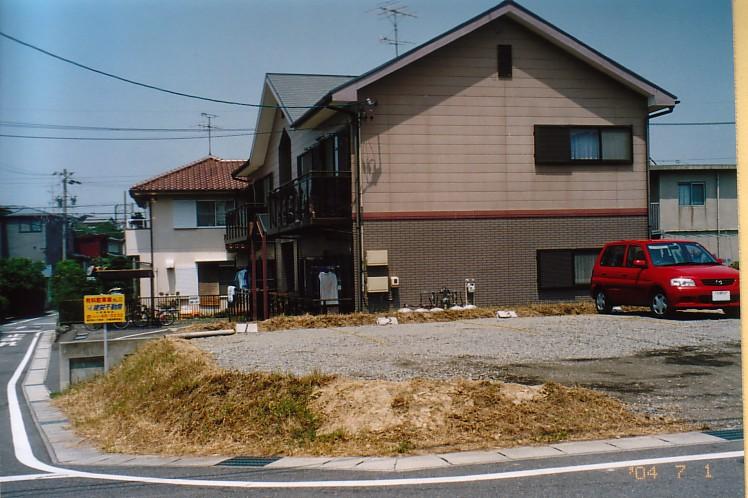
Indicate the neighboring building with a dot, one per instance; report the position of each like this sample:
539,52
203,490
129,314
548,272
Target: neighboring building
504,151
696,202
33,234
97,245
187,211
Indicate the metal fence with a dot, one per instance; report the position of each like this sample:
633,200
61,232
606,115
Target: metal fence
240,307
183,307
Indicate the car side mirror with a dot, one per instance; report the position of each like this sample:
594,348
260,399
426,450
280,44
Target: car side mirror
720,261
640,263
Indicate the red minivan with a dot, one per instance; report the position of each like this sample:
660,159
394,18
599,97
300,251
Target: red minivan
666,275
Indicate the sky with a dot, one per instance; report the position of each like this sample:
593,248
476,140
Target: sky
223,48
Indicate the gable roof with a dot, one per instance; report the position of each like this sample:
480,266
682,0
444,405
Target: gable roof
294,94
658,97
209,174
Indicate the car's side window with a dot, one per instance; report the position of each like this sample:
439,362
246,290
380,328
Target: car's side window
613,256
635,252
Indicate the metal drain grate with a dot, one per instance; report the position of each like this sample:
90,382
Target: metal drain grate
728,434
243,461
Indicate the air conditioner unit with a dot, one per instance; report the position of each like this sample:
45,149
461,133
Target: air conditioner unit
377,284
376,257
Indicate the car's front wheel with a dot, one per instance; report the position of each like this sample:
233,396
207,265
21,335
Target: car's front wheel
602,303
660,306
732,312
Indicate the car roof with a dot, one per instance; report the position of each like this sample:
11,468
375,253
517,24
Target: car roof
649,241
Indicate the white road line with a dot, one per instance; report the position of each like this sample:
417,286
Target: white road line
24,321
25,455
32,477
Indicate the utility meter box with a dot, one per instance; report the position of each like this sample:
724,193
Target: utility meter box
376,257
377,284
394,281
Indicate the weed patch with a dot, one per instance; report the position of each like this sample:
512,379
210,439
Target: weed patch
171,398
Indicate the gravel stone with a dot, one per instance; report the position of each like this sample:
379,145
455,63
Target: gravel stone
469,348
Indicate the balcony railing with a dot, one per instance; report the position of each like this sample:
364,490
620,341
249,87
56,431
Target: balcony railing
237,222
654,218
317,198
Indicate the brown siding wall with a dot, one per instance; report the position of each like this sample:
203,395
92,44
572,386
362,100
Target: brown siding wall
500,254
449,135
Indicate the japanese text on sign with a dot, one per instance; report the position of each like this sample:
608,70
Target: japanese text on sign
104,308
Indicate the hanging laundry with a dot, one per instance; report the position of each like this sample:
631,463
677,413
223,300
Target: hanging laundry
328,288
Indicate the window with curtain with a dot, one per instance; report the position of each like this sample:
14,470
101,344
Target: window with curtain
213,213
585,144
561,144
565,268
691,194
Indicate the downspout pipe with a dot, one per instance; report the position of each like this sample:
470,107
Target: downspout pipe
153,265
355,124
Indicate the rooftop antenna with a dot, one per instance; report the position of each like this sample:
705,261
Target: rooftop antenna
209,127
392,11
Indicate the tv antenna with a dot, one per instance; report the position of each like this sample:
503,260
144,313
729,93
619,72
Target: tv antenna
393,11
209,127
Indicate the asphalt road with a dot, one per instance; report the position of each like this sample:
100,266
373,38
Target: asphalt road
707,470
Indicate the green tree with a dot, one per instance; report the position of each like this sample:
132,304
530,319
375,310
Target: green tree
22,287
69,282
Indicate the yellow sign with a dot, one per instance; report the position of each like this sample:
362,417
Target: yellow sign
104,308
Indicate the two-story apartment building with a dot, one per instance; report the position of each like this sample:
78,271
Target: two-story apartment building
184,226
504,152
33,234
696,202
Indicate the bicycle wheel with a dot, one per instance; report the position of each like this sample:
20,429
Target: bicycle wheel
121,325
167,318
141,318
92,326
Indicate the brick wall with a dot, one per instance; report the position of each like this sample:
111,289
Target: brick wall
500,254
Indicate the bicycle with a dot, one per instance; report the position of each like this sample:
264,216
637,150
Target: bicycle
162,317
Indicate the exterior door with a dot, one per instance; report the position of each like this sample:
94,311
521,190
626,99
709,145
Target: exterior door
633,277
612,273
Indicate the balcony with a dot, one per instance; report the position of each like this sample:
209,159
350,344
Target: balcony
654,218
317,198
238,220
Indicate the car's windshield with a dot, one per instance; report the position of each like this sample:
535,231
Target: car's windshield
679,253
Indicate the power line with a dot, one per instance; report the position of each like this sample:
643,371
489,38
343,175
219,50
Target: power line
17,124
126,139
46,137
146,85
698,123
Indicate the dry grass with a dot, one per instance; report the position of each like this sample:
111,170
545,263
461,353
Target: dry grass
355,319
171,398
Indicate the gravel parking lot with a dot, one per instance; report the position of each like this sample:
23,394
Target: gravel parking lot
688,367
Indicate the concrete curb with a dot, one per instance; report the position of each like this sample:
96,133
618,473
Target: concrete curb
65,447
206,333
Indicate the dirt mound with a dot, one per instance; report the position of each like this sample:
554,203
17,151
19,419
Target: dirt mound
171,398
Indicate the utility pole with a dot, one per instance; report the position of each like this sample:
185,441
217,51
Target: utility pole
63,202
209,127
392,11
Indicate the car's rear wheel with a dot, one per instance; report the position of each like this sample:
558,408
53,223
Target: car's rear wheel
602,303
660,306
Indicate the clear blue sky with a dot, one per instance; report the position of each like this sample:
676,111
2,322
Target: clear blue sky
223,48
